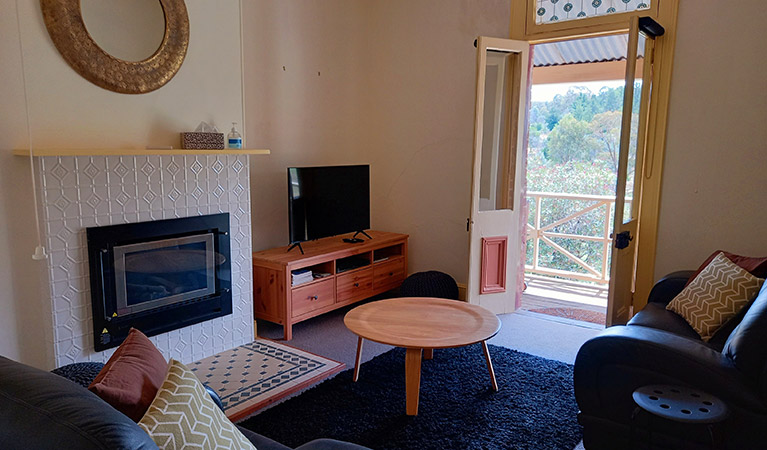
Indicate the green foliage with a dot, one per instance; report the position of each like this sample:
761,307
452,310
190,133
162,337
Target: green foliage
572,177
606,129
575,177
573,148
571,140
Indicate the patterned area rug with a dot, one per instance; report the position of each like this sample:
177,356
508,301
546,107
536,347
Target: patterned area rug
534,408
584,315
254,375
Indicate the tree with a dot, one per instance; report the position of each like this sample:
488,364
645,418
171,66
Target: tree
571,140
606,128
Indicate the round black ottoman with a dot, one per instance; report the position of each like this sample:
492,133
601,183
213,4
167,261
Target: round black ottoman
81,373
429,284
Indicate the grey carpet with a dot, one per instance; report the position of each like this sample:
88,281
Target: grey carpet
538,334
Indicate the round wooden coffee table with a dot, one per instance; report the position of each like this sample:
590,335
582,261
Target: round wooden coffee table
422,324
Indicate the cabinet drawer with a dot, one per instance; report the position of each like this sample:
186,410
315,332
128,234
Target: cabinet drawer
388,275
315,296
355,286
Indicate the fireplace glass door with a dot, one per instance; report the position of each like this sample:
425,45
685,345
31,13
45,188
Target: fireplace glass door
154,274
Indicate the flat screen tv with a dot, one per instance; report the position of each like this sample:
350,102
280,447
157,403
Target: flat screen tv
328,201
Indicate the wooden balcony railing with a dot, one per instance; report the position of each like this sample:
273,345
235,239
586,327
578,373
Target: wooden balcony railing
540,232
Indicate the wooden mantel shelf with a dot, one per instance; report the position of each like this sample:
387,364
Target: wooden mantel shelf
134,151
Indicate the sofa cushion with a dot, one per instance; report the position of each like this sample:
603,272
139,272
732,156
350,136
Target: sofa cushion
721,335
655,315
183,414
130,379
41,410
715,296
260,441
747,345
756,266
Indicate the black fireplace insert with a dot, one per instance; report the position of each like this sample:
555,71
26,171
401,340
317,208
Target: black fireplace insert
158,276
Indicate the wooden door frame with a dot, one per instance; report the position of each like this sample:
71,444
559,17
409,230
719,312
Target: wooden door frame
523,27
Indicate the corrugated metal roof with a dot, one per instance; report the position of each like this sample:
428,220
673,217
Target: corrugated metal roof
579,51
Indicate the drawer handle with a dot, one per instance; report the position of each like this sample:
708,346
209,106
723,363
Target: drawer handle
391,274
356,285
313,297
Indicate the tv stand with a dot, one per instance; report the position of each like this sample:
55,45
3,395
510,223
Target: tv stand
344,274
294,245
363,232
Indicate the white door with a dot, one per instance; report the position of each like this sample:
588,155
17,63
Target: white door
494,223
636,104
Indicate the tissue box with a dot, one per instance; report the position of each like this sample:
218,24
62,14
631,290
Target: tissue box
195,140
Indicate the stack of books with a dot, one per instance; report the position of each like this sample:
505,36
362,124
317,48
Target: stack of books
301,276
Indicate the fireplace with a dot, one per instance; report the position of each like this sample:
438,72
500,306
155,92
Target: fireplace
158,276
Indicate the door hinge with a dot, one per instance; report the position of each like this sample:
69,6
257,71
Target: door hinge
468,220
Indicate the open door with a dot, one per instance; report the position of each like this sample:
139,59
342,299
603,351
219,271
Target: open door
642,34
494,223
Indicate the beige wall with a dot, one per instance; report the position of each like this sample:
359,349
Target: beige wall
390,83
68,111
396,91
422,125
714,182
305,69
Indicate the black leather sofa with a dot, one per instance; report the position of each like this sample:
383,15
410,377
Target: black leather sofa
42,410
659,347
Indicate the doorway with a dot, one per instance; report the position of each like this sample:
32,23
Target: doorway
571,172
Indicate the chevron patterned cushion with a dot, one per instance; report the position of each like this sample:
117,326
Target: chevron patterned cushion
182,415
715,296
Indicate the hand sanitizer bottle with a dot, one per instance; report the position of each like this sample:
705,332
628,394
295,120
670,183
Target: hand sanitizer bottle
234,139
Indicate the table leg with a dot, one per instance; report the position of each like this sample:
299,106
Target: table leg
358,361
428,353
490,366
412,379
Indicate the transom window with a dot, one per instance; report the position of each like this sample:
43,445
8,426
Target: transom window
562,10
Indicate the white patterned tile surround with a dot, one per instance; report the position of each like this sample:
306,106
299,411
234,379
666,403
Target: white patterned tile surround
85,191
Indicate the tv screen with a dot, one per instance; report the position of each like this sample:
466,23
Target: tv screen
327,201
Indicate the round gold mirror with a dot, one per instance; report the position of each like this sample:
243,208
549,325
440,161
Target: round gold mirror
65,24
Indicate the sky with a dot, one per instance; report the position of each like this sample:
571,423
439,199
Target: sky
546,92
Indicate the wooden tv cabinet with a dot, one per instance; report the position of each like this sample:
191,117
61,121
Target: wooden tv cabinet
354,272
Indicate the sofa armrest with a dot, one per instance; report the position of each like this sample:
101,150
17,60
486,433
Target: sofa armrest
214,396
609,367
669,286
330,444
41,410
261,442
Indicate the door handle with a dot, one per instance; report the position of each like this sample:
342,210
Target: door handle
622,239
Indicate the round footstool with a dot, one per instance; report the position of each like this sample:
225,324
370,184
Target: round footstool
681,404
81,373
429,284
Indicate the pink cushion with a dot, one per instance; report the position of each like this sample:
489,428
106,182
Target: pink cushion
130,379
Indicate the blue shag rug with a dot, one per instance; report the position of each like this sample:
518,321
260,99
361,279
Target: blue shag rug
534,407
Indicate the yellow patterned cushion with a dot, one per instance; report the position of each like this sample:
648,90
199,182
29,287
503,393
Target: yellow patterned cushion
183,415
715,296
